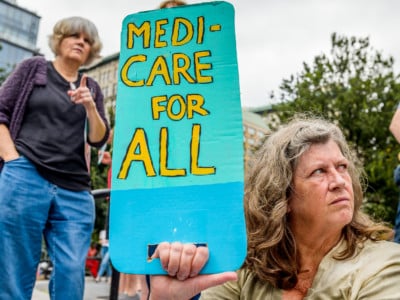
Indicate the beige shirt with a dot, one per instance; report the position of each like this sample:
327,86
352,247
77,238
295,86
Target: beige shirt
373,274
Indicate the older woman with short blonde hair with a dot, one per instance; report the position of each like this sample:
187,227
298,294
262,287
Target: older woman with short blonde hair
49,111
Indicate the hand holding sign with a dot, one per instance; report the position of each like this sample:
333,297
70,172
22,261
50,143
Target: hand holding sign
178,153
176,259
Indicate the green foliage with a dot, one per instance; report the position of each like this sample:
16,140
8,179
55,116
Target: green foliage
98,174
356,87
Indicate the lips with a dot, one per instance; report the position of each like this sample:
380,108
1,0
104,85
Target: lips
339,200
78,50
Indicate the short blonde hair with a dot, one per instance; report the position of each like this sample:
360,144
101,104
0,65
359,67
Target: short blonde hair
69,26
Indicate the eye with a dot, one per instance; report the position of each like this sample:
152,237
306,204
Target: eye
343,167
88,41
318,171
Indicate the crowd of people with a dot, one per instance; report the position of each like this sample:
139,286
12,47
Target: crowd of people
307,236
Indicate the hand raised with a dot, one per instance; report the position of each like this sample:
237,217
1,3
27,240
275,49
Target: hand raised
82,94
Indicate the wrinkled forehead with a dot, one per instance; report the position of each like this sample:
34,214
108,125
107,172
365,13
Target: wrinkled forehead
311,151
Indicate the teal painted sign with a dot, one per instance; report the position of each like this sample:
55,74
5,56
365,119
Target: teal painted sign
177,169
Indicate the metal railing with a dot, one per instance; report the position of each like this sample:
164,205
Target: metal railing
99,194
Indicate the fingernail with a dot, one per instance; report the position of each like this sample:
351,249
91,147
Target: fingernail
193,275
181,278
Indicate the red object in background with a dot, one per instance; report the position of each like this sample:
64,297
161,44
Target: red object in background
92,264
92,261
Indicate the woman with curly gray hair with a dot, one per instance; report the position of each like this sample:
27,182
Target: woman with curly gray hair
48,112
307,236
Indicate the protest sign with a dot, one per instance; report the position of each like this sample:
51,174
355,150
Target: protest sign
177,169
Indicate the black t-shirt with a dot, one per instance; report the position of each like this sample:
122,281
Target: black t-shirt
52,134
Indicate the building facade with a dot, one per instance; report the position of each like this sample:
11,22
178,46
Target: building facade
255,131
18,34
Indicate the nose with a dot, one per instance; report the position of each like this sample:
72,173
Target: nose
336,180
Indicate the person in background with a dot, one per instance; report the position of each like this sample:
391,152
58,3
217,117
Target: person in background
171,3
132,287
92,259
394,128
48,111
307,235
105,266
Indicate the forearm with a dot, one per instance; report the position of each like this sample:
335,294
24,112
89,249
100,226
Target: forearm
97,128
7,146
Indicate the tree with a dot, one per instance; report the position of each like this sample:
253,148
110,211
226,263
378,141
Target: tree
357,88
98,175
98,172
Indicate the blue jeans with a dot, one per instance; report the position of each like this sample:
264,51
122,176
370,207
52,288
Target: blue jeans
105,262
32,208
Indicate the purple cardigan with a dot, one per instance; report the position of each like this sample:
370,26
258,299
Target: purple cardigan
15,92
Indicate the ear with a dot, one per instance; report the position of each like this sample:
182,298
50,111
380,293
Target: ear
288,205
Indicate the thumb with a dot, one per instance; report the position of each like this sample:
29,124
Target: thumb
208,281
83,81
165,287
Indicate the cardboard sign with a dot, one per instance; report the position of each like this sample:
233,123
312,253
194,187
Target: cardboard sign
178,146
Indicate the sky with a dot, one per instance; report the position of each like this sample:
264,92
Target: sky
273,37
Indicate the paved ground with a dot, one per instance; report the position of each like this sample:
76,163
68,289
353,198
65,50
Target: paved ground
93,290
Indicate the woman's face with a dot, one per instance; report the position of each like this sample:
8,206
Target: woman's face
75,47
322,198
